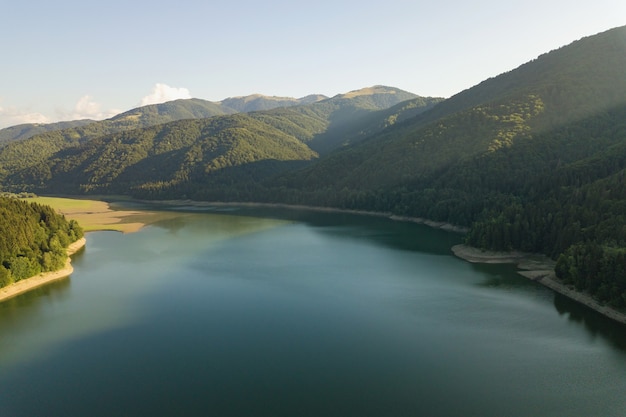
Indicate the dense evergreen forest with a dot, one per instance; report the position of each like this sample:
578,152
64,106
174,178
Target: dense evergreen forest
34,239
533,159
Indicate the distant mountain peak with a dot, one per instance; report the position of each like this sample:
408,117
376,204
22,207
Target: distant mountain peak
257,102
255,96
367,91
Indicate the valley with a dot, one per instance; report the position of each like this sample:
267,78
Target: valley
533,159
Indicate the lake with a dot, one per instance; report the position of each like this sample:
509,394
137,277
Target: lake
255,312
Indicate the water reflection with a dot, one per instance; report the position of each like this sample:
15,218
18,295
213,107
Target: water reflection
216,226
593,322
55,291
380,230
205,309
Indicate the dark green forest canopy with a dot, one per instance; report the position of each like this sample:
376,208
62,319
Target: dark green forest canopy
34,239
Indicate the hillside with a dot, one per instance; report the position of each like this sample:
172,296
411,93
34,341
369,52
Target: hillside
328,116
25,131
259,102
576,82
31,151
162,113
162,156
361,123
534,159
97,158
170,111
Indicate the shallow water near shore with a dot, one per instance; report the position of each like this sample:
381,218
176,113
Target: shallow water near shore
308,314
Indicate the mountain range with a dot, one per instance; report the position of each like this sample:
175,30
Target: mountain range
183,138
161,113
532,159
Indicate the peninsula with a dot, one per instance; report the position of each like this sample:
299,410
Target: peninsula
43,278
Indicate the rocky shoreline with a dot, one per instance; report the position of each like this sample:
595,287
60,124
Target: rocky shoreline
535,267
538,268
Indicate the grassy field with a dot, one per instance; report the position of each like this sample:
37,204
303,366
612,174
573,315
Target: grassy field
95,215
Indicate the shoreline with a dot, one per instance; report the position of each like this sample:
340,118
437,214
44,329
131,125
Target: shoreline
538,268
419,220
535,267
43,278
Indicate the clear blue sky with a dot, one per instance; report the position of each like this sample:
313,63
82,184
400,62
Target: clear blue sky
69,59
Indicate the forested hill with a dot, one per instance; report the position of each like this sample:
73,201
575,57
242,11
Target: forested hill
533,159
573,83
27,130
350,115
170,111
259,102
164,157
29,151
154,114
46,139
179,157
34,239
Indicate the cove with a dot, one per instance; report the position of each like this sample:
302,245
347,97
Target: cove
252,312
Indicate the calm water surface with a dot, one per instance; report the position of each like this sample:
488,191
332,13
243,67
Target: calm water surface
298,314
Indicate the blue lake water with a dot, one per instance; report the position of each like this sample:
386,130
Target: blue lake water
254,313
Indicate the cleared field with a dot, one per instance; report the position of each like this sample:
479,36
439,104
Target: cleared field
95,215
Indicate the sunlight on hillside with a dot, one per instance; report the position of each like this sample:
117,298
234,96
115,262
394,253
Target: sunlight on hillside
369,91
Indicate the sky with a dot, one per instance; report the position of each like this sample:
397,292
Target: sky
70,59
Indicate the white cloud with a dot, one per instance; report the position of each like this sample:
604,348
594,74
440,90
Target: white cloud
163,92
11,116
86,108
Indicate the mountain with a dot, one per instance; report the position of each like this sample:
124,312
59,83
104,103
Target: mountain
259,102
351,126
578,82
378,96
348,117
170,111
353,116
165,112
160,157
29,151
27,130
185,156
534,159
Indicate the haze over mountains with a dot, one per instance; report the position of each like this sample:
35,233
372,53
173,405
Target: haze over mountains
532,159
165,112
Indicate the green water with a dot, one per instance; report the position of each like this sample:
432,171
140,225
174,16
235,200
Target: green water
300,314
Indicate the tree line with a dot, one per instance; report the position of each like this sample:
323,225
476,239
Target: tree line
34,239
